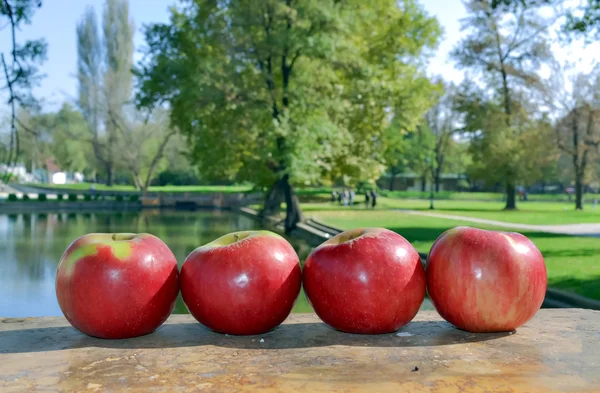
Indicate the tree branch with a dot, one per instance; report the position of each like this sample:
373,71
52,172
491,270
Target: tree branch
13,149
157,157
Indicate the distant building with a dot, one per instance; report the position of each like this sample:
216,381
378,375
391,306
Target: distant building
52,174
19,173
410,181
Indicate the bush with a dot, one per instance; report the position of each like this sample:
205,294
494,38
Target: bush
60,197
25,197
42,197
134,198
72,198
87,197
12,197
119,198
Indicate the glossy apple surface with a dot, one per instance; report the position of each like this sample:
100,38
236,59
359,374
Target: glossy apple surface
485,281
242,283
117,285
366,280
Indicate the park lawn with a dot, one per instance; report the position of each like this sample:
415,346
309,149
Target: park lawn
535,213
572,262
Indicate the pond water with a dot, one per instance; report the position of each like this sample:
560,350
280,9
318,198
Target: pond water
31,245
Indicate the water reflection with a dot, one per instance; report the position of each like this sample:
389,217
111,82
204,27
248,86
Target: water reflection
32,244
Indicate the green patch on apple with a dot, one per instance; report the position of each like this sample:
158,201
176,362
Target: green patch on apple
118,242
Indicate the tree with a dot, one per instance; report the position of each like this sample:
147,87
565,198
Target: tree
68,132
442,121
577,102
506,44
284,93
54,136
19,69
151,138
419,153
104,73
519,151
35,145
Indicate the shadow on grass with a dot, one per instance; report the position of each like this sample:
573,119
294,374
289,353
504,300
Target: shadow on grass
429,234
580,252
588,286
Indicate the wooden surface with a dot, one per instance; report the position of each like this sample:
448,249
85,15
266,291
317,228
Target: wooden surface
558,351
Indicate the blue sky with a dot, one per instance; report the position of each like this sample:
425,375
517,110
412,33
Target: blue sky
57,19
56,22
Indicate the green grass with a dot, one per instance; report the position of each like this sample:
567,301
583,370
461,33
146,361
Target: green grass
102,187
536,213
479,196
572,262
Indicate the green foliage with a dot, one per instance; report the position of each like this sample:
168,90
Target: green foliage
119,198
25,198
42,197
266,88
134,198
59,197
87,197
585,21
57,136
501,152
72,198
506,44
12,197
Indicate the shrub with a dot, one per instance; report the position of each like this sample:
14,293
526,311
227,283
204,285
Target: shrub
87,197
134,198
42,197
119,198
12,197
25,197
72,197
60,197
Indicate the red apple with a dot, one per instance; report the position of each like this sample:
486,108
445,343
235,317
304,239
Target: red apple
367,280
242,283
485,281
117,285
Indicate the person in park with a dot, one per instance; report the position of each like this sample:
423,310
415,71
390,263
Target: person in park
373,198
367,198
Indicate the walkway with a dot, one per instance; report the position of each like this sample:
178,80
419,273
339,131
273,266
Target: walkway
590,229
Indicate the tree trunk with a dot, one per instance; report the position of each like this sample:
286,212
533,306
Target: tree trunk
283,191
578,191
293,213
437,179
109,174
392,181
272,200
511,202
423,183
156,159
137,181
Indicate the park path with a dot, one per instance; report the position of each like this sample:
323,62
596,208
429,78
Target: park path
590,229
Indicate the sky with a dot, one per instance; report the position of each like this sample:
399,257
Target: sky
56,22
